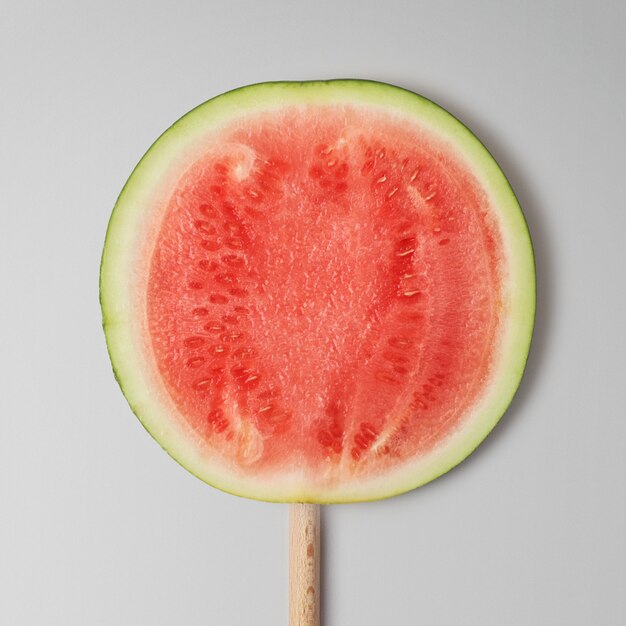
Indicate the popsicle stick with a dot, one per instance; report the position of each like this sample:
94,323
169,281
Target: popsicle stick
304,565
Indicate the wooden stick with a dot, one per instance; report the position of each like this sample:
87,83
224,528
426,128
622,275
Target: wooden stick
304,565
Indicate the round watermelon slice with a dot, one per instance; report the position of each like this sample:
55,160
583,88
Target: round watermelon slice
318,291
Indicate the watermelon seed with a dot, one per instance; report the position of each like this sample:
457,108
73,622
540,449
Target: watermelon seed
386,377
436,229
361,441
235,243
212,245
410,294
418,403
225,278
251,381
207,210
232,228
381,153
214,327
218,298
332,163
232,337
334,408
208,266
406,246
247,378
392,193
382,179
205,227
413,175
195,361
202,384
394,357
430,196
369,432
246,352
240,370
238,292
193,342
214,415
325,438
368,166
218,350
336,431
400,342
220,426
228,209
270,414
233,260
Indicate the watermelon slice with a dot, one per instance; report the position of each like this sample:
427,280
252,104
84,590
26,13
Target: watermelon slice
318,291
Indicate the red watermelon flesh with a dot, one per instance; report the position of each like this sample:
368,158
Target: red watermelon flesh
325,295
318,291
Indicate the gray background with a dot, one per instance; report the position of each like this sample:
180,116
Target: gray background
99,526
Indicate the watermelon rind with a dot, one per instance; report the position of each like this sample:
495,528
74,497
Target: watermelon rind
121,269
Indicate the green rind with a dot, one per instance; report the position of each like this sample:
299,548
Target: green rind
131,369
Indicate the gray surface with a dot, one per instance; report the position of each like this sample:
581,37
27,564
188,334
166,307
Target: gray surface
99,526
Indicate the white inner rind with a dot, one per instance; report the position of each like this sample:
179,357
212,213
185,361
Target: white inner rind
134,227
